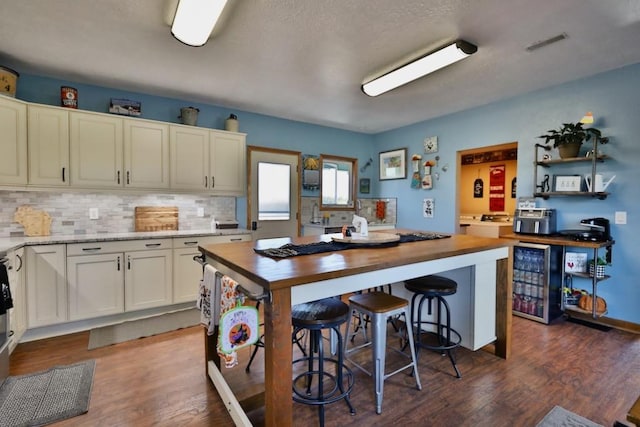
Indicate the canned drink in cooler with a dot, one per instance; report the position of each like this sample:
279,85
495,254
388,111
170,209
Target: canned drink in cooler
69,97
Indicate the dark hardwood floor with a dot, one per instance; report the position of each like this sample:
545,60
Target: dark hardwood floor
160,381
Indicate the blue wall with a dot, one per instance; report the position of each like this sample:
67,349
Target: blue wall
613,98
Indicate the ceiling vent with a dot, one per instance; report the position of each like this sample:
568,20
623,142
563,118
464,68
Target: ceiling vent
546,42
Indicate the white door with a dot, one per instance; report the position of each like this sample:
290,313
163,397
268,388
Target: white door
274,193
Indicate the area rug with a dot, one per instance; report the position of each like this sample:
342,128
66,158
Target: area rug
134,329
560,417
46,397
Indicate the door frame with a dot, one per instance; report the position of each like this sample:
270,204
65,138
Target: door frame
254,148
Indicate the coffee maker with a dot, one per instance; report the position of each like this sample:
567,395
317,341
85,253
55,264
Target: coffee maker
600,229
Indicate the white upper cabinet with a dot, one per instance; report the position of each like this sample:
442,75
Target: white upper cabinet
96,144
48,145
146,154
207,160
227,162
189,158
13,141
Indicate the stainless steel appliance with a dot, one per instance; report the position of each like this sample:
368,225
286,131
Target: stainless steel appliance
535,221
5,304
537,281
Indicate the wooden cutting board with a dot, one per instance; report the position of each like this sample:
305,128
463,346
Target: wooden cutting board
35,222
156,218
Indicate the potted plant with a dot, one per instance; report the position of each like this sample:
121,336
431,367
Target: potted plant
597,267
569,138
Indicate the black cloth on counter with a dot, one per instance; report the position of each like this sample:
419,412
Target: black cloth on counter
6,302
291,250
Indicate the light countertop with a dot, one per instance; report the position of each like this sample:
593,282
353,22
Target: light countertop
9,243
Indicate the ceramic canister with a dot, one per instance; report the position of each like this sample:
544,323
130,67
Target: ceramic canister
231,124
8,81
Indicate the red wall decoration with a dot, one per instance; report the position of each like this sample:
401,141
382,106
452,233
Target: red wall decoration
496,187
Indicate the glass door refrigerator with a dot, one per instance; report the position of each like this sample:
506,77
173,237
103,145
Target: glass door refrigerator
537,281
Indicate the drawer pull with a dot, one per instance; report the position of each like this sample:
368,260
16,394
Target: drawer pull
191,243
153,245
92,249
236,239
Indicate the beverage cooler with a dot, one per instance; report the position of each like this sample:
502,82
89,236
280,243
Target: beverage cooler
537,281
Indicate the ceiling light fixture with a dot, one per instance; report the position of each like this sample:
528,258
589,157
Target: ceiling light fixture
419,67
195,19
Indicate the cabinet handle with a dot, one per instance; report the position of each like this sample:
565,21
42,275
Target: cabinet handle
236,239
206,182
153,245
118,263
63,170
213,181
128,180
20,265
191,243
92,249
128,262
118,177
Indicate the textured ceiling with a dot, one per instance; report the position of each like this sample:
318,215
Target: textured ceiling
306,59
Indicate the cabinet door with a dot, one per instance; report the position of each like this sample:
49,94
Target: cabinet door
96,285
148,279
13,141
96,150
189,158
146,154
46,285
227,163
48,146
186,275
18,314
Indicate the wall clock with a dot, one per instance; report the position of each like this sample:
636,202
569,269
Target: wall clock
431,144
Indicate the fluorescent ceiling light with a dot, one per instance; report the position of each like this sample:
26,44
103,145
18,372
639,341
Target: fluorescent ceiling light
419,68
194,20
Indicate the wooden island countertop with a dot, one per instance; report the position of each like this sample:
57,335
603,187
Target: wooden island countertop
303,278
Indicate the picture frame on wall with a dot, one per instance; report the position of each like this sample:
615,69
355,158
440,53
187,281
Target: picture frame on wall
567,183
365,185
393,164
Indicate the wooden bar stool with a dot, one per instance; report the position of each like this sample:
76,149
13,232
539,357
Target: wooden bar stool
380,306
429,288
314,317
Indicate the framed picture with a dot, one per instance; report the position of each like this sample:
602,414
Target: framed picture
393,164
365,185
567,183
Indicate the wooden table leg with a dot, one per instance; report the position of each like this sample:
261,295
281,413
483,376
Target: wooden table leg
503,307
278,359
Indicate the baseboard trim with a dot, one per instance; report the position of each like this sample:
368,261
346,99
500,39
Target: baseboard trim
622,325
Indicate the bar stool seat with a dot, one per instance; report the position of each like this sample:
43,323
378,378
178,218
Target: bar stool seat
314,317
429,288
380,306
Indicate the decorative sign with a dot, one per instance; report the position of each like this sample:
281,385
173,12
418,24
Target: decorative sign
238,328
490,156
478,188
428,208
431,144
496,187
575,262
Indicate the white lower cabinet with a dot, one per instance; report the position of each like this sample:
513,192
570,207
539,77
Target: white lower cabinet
46,285
95,285
148,279
186,272
18,314
80,281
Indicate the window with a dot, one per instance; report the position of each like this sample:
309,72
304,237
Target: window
274,195
336,185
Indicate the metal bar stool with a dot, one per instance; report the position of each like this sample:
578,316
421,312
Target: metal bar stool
380,306
428,288
316,316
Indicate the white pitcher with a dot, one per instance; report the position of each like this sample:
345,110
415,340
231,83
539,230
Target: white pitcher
599,185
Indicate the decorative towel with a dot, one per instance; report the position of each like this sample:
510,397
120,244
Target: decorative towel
209,291
238,323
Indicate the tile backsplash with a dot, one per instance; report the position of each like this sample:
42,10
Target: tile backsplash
70,210
367,210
